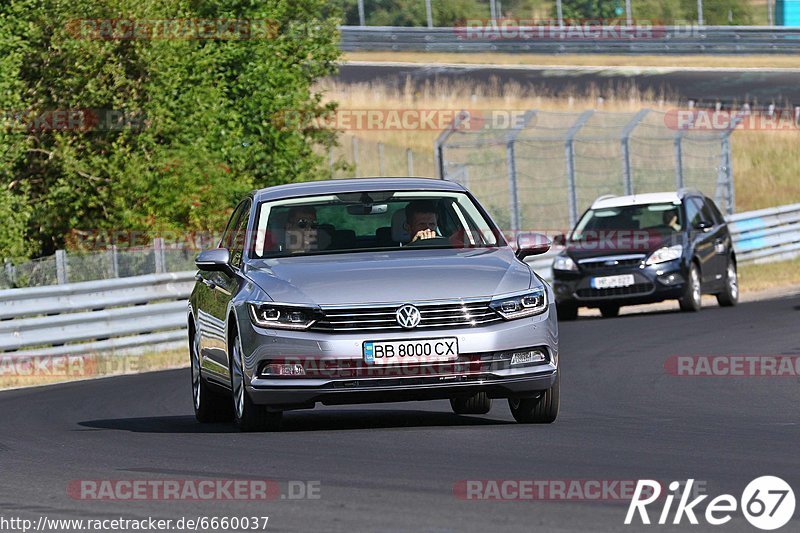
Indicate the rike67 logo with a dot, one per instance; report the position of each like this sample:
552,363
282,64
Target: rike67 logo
767,503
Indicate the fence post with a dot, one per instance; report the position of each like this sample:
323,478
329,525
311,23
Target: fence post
438,147
626,155
361,17
381,169
113,262
511,164
569,152
429,13
158,253
409,162
11,272
330,159
725,188
355,156
678,161
61,267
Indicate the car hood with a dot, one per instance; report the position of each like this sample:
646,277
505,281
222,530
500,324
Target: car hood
397,276
621,243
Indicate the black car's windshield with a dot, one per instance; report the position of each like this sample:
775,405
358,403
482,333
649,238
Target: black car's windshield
663,218
366,221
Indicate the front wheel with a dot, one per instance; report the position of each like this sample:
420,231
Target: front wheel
609,310
567,310
541,410
691,299
247,415
730,294
477,404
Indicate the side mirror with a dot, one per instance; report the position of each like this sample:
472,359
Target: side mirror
216,260
560,240
704,225
531,244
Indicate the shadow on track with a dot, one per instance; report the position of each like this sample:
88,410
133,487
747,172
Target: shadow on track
297,421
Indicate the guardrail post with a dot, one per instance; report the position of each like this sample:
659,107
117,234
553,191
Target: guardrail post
61,267
511,163
158,253
569,153
381,169
627,176
438,147
409,162
113,262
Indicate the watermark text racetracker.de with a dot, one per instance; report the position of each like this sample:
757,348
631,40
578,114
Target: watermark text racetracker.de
757,365
192,489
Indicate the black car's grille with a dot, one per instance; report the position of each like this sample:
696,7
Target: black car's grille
606,263
637,288
433,315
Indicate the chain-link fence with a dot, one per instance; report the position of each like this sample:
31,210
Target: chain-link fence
543,172
70,267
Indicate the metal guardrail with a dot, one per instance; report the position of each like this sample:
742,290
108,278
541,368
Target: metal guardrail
691,39
767,234
118,314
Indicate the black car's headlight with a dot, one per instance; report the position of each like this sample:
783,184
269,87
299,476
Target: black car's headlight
522,305
282,316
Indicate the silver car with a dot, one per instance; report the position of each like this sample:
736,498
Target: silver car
369,290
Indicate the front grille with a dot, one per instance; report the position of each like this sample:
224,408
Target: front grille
433,315
600,263
637,288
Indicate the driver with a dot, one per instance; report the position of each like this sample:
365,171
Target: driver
421,220
301,229
670,219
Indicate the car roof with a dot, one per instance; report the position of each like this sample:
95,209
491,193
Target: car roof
642,199
311,188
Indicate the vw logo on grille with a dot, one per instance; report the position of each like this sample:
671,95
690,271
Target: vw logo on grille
408,316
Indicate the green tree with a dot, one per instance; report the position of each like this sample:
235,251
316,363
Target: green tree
206,110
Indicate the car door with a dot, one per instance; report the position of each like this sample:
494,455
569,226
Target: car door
226,284
701,239
721,239
212,306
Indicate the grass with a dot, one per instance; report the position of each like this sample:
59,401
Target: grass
757,277
20,372
765,163
763,61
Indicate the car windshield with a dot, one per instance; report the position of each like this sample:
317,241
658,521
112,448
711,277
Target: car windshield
664,218
370,221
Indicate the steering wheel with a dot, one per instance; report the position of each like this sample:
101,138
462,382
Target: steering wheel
435,241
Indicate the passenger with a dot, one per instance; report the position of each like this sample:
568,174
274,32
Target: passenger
301,229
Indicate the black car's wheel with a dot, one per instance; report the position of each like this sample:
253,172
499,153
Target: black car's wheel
609,310
477,404
541,410
692,294
567,310
730,294
247,415
209,406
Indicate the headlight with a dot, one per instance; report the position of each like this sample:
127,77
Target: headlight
522,305
564,262
282,316
667,253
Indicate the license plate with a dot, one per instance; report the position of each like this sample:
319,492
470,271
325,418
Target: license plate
612,282
410,351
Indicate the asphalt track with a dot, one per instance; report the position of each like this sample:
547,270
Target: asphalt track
759,87
393,467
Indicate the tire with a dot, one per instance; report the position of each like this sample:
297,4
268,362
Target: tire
477,404
567,311
609,310
541,410
209,406
247,415
730,294
691,300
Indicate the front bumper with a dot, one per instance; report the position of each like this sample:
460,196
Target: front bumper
653,283
479,368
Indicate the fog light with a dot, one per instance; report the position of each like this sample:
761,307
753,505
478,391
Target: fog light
527,357
278,369
673,278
